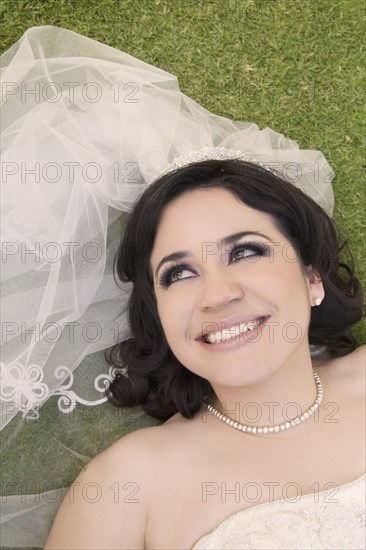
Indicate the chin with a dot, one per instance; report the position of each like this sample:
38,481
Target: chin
239,375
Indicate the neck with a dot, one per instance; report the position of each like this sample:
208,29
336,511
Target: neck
282,395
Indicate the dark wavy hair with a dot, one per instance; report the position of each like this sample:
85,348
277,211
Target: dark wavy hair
156,379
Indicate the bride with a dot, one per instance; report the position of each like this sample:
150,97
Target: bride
234,272
238,307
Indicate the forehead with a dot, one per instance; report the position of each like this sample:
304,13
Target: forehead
206,215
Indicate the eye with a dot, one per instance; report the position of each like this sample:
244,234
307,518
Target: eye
247,250
174,274
177,275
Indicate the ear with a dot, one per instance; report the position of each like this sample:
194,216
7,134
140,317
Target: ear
315,286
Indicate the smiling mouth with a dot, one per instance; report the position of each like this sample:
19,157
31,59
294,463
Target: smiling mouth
234,332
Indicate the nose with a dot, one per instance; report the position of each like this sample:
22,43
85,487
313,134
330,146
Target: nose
219,290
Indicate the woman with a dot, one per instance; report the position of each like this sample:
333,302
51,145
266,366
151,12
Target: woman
235,272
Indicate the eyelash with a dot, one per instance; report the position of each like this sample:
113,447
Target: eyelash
260,249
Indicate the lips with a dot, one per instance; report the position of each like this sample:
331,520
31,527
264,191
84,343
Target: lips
234,332
225,330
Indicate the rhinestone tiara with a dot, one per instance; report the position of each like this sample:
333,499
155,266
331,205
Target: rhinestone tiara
211,153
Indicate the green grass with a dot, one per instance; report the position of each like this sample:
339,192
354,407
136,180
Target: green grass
294,65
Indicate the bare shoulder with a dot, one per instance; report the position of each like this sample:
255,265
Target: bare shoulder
106,506
139,453
133,451
349,371
147,446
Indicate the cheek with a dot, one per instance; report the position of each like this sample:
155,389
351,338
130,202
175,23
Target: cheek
294,292
281,281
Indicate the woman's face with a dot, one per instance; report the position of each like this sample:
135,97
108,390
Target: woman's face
222,268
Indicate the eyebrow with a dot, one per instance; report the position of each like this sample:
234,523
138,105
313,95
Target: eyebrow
184,254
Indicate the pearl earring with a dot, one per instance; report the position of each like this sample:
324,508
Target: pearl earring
317,301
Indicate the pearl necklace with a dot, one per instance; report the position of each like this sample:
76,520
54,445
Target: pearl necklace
278,427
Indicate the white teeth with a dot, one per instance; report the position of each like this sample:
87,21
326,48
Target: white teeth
224,335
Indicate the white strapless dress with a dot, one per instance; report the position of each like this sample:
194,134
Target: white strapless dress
329,519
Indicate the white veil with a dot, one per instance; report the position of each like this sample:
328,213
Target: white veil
85,128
